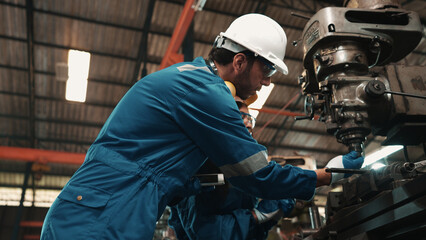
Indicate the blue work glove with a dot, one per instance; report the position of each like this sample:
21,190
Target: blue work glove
351,160
272,210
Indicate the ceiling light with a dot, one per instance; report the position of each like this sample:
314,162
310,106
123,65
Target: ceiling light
78,72
381,153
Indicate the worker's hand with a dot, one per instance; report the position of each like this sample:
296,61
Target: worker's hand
272,210
351,160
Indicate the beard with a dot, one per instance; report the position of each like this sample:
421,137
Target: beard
242,86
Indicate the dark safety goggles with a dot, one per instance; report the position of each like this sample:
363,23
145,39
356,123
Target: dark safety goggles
249,117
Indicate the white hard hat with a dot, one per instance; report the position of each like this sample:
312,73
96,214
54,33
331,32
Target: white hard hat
259,34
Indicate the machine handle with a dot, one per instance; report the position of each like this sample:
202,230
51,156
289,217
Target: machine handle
346,170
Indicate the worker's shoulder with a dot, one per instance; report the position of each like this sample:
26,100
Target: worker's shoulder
190,74
196,69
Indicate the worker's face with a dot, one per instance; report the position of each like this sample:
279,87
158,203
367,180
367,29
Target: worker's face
252,79
248,121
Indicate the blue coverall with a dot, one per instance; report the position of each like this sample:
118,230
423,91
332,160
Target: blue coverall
154,141
225,213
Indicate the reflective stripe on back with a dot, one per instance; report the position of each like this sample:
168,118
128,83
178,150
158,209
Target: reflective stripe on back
246,167
189,67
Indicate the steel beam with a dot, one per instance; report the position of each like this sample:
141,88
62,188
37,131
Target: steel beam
39,155
31,97
21,202
143,46
172,56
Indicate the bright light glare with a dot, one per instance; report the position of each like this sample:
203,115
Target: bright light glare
376,166
262,95
383,152
76,90
78,72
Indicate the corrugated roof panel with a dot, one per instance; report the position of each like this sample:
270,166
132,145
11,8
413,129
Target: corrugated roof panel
72,111
46,58
13,53
14,105
85,36
151,68
125,12
14,20
111,69
232,7
207,25
165,16
108,93
157,45
15,81
13,127
60,131
201,50
283,16
48,86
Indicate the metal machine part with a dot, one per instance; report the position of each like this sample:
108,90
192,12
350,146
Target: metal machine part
372,4
389,203
351,81
344,50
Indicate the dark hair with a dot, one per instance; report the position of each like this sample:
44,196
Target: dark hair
224,56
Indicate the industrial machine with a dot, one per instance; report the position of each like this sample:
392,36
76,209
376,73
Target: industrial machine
351,81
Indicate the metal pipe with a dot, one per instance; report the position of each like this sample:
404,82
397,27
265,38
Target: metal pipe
315,217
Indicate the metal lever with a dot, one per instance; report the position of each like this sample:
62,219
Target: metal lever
302,118
376,88
300,15
406,94
346,170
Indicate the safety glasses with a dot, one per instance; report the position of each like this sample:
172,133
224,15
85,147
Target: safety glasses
249,117
268,69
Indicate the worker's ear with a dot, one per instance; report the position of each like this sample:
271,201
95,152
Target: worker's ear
240,62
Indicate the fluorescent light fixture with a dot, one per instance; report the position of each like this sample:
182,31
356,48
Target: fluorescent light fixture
262,95
78,72
383,152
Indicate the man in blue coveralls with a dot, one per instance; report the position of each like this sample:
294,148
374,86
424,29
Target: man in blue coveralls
226,212
164,128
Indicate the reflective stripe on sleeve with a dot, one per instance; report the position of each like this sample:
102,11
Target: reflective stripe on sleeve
246,167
